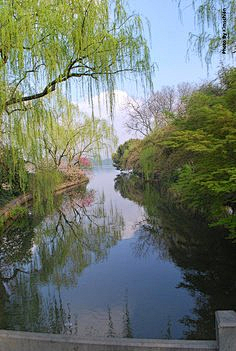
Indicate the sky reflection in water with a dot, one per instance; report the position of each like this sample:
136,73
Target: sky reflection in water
115,263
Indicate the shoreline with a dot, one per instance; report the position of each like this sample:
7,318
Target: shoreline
25,200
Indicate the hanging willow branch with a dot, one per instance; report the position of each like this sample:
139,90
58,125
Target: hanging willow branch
216,23
43,46
99,39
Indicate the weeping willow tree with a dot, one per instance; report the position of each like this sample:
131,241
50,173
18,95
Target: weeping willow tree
74,135
217,27
44,47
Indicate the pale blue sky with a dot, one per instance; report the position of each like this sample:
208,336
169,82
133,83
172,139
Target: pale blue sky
170,42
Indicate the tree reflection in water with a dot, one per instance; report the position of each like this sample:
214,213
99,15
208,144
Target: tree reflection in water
126,322
15,252
52,252
206,258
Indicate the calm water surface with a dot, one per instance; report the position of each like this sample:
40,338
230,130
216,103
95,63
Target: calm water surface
115,260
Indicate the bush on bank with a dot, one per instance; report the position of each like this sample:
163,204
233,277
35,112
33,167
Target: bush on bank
193,158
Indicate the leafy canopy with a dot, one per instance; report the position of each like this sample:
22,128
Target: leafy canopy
194,157
44,47
44,43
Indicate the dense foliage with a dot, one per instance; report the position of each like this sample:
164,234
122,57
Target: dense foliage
124,153
44,47
194,157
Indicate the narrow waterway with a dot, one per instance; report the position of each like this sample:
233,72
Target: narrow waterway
115,260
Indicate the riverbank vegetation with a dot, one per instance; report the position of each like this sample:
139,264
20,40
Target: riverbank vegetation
192,156
45,49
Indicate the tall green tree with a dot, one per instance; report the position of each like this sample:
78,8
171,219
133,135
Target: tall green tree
74,135
44,43
194,158
47,45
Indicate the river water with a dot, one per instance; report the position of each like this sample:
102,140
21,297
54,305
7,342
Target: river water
115,260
